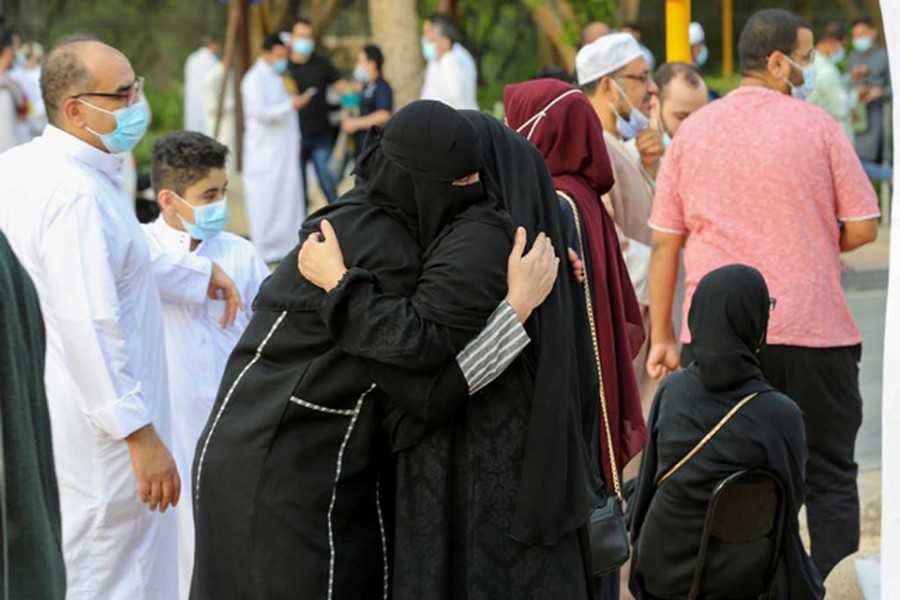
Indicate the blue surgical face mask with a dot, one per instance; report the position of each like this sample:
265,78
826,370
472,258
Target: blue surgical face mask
131,126
429,50
304,46
838,57
702,57
635,123
21,59
280,66
209,219
361,75
805,89
863,44
667,140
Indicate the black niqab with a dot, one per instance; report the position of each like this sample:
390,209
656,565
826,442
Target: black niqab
409,168
728,319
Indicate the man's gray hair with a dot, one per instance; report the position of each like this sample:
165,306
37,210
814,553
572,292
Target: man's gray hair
64,74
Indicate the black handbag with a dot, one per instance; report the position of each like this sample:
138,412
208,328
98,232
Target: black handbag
610,547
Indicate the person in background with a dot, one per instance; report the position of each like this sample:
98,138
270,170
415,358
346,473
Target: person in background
13,102
594,31
634,29
376,98
66,213
615,77
190,183
313,75
797,171
272,189
728,323
699,49
869,70
28,76
830,92
31,529
682,92
197,67
450,72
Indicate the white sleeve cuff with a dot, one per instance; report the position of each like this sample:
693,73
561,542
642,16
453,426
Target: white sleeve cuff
124,416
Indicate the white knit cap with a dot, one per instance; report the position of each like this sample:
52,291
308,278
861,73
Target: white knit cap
696,33
605,55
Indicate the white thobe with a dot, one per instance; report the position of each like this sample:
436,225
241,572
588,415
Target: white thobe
227,128
452,79
272,190
10,126
68,219
30,82
197,348
196,69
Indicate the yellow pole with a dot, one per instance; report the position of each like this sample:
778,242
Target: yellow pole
678,18
727,38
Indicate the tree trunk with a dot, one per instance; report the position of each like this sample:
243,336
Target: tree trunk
552,25
395,28
849,8
448,7
629,10
321,13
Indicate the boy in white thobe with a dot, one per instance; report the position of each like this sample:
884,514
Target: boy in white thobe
190,182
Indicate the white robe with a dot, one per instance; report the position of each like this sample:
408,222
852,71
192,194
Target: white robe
227,128
197,348
452,79
68,219
272,190
196,69
10,125
30,82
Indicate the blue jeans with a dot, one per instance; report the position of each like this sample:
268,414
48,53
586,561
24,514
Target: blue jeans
318,149
878,172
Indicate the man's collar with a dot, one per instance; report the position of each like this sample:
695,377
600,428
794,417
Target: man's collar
68,144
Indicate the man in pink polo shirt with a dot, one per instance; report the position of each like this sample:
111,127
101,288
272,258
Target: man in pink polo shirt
768,180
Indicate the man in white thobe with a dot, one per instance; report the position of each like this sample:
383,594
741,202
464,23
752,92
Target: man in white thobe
227,131
272,189
28,76
450,72
190,182
196,69
68,219
12,97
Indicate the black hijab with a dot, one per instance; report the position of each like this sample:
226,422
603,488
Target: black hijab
408,168
728,319
552,497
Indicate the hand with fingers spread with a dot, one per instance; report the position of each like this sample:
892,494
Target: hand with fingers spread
221,287
320,259
159,485
530,278
577,265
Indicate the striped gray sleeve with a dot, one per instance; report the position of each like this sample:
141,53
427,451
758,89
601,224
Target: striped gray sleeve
491,352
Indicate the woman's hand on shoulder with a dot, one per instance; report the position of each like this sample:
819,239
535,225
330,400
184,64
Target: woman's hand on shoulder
530,278
320,259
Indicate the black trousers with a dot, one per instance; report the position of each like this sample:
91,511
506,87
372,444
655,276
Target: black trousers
824,382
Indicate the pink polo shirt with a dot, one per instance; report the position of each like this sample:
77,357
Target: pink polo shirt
763,179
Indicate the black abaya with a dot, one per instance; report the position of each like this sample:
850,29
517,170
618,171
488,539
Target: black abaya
728,321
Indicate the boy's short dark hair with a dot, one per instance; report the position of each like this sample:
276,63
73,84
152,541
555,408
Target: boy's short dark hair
183,158
863,20
374,54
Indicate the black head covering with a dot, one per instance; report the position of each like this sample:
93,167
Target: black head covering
408,168
728,319
552,497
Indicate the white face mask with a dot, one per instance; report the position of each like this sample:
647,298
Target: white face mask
635,123
536,119
805,89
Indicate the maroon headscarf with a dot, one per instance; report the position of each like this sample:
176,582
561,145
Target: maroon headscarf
560,121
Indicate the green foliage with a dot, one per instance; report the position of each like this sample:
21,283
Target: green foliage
167,106
587,11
